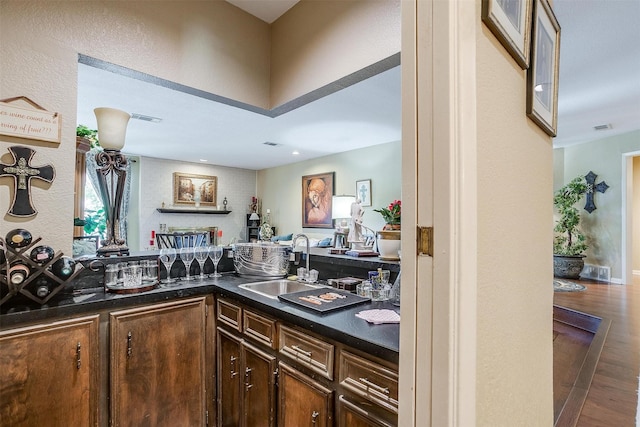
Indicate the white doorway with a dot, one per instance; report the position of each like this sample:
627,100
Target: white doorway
630,216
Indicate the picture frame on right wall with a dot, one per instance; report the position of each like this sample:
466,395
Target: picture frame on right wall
542,75
510,22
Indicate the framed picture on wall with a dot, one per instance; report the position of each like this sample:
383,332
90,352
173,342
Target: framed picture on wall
187,188
363,191
542,76
317,191
510,22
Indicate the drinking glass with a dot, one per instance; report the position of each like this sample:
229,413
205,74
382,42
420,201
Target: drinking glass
215,252
168,257
187,255
201,253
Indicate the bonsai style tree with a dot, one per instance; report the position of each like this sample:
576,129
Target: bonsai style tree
569,240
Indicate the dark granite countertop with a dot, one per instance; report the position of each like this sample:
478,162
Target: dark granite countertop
340,325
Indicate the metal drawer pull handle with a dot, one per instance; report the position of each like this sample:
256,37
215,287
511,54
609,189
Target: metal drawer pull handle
129,349
78,361
384,390
299,350
247,381
314,417
233,366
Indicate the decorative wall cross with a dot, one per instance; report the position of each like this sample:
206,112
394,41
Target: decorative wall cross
601,187
22,173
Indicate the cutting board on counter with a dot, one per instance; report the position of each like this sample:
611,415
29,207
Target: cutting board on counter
323,300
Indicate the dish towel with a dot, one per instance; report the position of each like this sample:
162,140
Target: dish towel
378,317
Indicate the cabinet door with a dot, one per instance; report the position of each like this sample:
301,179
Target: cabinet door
49,374
158,365
303,401
259,387
352,415
229,378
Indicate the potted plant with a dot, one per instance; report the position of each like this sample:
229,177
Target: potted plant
389,237
391,215
569,242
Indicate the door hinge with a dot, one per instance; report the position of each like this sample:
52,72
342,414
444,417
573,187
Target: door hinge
206,417
425,241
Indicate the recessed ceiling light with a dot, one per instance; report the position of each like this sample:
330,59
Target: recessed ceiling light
204,160
295,153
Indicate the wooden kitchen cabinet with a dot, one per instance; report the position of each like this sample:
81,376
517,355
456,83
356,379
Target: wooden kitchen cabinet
158,365
302,401
246,383
49,374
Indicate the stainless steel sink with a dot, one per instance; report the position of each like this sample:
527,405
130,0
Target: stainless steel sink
273,288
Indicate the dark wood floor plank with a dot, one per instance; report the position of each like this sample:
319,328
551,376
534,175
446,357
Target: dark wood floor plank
612,397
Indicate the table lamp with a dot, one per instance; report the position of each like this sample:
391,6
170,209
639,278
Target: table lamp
112,174
341,212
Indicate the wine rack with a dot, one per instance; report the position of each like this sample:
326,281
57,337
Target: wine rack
37,271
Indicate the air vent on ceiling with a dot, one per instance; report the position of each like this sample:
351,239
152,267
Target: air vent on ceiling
602,127
271,144
145,118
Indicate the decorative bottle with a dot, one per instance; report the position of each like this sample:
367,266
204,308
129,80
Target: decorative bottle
42,254
18,273
18,238
64,267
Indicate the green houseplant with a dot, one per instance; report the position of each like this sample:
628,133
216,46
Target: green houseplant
569,243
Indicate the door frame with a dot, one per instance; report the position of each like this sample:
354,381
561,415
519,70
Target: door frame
438,328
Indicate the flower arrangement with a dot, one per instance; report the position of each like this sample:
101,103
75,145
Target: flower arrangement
391,214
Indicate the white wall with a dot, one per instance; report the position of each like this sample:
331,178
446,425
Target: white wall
281,188
635,243
156,187
603,226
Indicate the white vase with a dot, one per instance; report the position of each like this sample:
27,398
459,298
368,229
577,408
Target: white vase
389,244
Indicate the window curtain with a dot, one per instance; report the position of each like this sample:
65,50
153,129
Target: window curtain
92,174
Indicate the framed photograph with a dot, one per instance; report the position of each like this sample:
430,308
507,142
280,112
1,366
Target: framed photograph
542,76
510,22
187,188
363,191
317,191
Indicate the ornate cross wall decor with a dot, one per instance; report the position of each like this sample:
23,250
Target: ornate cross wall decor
22,173
590,206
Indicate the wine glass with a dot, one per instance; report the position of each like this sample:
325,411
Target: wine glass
168,257
215,252
201,253
186,255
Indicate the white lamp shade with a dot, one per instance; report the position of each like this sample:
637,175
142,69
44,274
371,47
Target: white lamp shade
341,206
254,217
112,127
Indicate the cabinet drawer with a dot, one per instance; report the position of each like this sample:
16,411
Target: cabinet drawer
307,350
260,328
229,313
369,380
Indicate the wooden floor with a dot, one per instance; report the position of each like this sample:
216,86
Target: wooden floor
613,396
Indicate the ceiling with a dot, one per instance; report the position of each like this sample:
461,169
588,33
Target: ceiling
599,84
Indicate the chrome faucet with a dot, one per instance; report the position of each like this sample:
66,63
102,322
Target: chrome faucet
294,247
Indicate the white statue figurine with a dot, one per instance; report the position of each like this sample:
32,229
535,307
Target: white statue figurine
355,226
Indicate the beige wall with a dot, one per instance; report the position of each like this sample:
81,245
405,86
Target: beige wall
514,291
326,31
603,226
212,46
281,188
